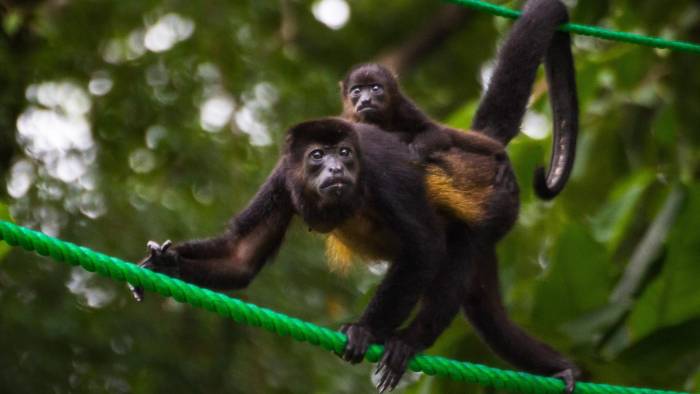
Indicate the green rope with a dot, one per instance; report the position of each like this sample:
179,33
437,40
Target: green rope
594,31
243,312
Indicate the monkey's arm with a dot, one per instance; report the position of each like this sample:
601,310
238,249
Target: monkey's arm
231,260
441,139
408,214
421,251
444,297
475,142
399,291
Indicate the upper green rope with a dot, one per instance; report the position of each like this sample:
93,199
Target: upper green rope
243,312
594,31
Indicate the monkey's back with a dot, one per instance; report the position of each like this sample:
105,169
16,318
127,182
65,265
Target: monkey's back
475,189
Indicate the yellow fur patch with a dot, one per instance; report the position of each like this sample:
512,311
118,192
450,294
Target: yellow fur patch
359,239
338,254
461,192
464,201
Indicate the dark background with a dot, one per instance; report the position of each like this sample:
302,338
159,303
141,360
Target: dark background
125,120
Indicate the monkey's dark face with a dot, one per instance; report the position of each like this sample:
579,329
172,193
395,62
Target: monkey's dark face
369,94
369,100
331,171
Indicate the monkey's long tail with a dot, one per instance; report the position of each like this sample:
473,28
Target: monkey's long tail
559,64
501,111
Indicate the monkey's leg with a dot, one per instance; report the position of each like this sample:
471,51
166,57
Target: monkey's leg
484,309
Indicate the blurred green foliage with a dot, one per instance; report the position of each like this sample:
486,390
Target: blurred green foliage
4,215
123,121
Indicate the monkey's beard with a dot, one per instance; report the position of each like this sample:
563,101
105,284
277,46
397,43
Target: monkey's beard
327,211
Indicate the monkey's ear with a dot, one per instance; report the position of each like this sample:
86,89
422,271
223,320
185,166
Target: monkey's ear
342,87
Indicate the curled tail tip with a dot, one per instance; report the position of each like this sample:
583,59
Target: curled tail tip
541,187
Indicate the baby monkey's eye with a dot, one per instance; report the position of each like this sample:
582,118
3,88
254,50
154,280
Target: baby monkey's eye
316,154
377,88
345,152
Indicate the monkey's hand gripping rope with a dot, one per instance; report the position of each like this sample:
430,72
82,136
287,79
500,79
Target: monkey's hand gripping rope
243,312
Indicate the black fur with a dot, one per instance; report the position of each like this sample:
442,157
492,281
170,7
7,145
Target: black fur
559,65
445,263
502,108
390,193
474,286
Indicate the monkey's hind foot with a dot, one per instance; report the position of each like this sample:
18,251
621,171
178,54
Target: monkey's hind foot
569,378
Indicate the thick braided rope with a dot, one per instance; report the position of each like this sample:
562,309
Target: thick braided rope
243,312
594,31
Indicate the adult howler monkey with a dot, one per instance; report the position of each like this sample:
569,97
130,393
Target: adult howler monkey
469,177
373,203
358,184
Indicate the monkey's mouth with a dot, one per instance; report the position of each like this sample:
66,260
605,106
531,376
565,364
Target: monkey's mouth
335,185
366,108
335,182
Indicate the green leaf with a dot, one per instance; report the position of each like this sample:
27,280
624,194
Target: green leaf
673,297
590,326
611,223
649,248
526,154
665,127
12,22
576,282
462,117
675,349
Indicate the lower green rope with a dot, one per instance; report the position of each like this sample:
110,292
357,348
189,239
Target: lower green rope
300,330
588,30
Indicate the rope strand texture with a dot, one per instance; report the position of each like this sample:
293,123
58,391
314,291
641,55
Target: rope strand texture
243,312
593,31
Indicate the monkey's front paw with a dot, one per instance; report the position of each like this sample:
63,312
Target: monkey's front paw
393,364
359,339
160,259
569,377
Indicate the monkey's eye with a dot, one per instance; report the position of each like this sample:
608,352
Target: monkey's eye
345,152
377,88
316,154
355,91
